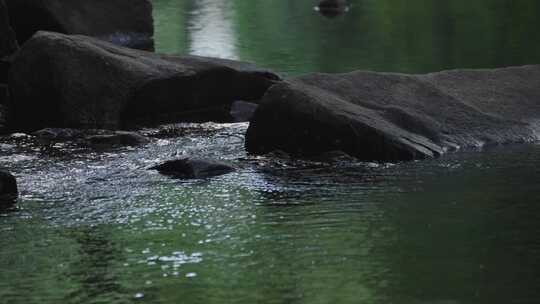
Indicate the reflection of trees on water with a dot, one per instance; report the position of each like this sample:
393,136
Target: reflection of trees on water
95,270
170,25
385,35
211,30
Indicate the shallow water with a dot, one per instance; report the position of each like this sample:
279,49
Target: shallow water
98,227
95,226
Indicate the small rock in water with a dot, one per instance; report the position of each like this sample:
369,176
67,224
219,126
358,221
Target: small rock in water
192,168
8,188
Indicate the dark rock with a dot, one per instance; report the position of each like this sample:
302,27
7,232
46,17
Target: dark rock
123,22
332,8
8,43
390,117
4,94
8,188
332,4
119,138
242,111
189,168
4,70
3,119
4,98
58,134
99,85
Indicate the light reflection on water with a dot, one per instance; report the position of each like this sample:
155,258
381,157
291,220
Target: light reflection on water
99,226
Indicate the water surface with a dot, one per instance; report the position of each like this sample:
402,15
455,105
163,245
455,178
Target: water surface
415,36
96,226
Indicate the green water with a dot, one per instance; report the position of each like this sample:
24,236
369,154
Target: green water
414,36
98,227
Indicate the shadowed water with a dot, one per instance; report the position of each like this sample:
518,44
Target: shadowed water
98,227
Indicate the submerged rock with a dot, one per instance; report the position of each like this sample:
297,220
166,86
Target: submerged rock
100,85
119,138
8,188
123,22
190,168
8,43
391,117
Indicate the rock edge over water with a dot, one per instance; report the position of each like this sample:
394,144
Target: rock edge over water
392,117
75,81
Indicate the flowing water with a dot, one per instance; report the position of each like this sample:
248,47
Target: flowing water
96,226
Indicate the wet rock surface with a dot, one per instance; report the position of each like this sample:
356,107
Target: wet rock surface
390,117
242,111
123,22
118,138
100,85
193,168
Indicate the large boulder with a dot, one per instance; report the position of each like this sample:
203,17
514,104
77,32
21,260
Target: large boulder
124,22
8,43
58,80
8,189
389,117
